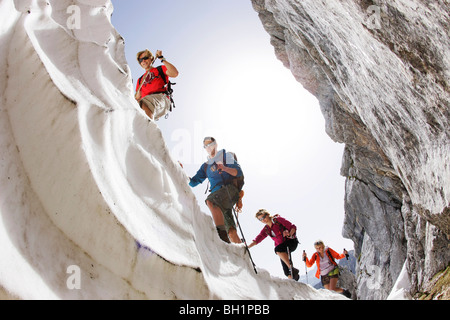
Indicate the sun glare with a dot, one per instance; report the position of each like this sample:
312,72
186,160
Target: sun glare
268,112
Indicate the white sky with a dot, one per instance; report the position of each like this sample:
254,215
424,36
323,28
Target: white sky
232,87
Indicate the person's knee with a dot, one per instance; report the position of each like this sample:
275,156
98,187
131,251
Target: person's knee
147,110
333,284
232,231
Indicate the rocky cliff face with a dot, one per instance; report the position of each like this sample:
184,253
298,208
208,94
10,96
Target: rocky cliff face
380,70
92,204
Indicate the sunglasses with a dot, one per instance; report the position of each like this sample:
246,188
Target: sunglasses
262,218
209,144
144,58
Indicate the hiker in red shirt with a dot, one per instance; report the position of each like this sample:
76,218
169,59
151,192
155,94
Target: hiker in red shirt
282,233
151,92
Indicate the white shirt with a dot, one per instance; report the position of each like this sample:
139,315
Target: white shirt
325,264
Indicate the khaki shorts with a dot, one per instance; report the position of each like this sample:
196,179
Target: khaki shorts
221,199
158,103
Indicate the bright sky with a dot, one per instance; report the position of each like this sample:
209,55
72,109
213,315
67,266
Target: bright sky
232,87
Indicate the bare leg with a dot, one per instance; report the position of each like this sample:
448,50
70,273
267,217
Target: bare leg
333,284
218,221
147,110
285,258
216,214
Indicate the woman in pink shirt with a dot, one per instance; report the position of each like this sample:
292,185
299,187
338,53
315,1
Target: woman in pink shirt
282,233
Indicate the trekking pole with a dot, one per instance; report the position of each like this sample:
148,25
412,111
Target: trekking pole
291,268
239,225
306,268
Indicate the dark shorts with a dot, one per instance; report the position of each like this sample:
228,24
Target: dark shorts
221,199
332,274
291,243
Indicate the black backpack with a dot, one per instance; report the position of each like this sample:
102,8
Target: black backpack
169,90
237,181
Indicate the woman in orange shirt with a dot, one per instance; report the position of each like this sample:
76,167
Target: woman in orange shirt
327,268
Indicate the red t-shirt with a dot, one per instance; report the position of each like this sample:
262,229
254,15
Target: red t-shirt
153,82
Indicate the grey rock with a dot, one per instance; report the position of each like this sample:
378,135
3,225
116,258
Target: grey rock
380,70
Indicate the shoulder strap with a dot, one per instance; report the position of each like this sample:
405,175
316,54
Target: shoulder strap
225,155
162,74
277,222
205,168
140,79
330,256
282,228
168,88
267,229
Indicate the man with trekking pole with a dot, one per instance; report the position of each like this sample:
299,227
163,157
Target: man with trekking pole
226,178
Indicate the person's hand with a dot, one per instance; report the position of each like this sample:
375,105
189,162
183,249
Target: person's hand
223,168
137,96
220,167
158,54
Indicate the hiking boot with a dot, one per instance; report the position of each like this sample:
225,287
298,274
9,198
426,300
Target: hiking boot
347,293
295,275
223,234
